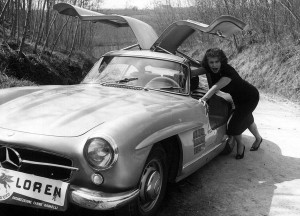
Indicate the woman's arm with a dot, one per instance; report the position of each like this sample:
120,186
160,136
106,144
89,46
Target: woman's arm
224,81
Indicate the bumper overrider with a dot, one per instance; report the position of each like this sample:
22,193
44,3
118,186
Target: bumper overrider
98,200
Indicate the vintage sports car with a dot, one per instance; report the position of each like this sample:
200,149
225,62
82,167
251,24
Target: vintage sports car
115,140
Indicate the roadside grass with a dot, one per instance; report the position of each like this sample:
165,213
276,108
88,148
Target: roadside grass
34,69
273,68
9,82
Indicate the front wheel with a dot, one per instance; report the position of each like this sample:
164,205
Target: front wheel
152,186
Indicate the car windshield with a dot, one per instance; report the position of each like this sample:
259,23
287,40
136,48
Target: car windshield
141,72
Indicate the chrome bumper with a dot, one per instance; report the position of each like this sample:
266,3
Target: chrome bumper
97,200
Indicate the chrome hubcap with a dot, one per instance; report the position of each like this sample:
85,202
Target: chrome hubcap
150,185
153,185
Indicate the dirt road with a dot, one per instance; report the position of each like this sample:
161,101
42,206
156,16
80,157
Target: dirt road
266,182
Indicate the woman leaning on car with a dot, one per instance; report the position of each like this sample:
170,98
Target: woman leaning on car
244,95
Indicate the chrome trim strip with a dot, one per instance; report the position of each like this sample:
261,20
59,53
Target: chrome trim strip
132,46
180,59
196,159
162,49
49,164
165,91
114,146
189,58
98,200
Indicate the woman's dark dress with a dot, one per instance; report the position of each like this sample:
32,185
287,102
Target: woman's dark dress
245,97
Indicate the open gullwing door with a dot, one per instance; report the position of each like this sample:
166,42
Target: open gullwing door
179,31
143,32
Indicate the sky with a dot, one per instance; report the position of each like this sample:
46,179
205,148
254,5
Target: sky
126,3
140,4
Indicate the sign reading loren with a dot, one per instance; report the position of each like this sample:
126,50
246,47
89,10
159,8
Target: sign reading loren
38,187
30,190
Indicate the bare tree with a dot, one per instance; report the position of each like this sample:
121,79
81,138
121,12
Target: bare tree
74,37
40,28
27,24
47,37
35,20
59,34
288,7
13,20
47,17
4,9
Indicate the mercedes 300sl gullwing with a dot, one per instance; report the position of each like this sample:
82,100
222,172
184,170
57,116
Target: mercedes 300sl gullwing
115,140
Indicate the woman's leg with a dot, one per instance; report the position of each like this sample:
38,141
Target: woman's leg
253,129
239,144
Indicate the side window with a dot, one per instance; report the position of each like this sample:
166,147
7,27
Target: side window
169,72
203,82
199,82
183,74
199,78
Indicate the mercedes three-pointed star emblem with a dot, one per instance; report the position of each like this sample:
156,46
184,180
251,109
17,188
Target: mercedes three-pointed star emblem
10,158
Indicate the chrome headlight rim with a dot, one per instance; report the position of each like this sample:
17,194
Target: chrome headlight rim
112,144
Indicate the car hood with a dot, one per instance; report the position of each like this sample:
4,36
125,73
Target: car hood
74,110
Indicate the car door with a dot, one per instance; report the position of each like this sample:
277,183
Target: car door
143,32
198,140
174,35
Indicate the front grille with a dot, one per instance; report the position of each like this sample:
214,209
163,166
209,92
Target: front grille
38,163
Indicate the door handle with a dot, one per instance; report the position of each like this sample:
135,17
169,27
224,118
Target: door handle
206,107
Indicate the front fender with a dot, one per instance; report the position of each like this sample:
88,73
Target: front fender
135,134
168,132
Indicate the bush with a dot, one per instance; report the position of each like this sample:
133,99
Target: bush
46,70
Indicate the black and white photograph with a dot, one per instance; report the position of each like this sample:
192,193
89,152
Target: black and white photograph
150,107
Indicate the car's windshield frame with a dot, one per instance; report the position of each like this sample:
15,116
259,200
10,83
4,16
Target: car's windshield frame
162,76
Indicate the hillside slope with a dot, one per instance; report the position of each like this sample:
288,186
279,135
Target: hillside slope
35,69
272,68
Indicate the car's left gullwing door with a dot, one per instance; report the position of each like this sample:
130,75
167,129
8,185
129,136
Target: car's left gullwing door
179,31
143,32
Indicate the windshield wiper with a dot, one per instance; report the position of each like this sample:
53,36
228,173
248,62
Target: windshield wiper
170,88
126,80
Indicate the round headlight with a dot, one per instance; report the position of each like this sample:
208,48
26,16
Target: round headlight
100,153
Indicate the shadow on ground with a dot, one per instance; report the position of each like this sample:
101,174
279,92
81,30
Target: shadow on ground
226,186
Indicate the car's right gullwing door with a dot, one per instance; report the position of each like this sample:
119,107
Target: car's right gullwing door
179,31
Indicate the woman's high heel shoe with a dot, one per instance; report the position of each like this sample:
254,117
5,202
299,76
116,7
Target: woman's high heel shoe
240,156
257,147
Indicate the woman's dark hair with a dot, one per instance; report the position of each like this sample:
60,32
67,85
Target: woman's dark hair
214,52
